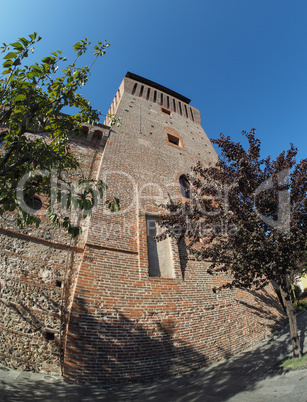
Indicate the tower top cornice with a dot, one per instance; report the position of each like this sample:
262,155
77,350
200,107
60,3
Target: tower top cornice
161,88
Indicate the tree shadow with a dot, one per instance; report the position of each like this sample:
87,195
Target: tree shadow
302,329
109,347
124,349
242,374
261,307
183,256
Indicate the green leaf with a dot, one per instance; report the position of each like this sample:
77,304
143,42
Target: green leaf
36,68
33,36
48,60
34,73
24,41
20,97
10,55
17,45
7,63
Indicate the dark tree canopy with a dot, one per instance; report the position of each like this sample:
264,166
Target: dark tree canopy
247,216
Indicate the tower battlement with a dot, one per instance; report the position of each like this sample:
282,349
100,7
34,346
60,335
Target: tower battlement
171,101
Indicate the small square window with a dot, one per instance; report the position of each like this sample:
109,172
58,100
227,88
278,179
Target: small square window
173,140
49,336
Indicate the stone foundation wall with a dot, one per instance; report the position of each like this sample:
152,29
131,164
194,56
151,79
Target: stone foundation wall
38,270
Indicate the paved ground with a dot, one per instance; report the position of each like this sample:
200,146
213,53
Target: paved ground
247,377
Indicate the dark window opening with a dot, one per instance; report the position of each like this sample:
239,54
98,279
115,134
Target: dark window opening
96,137
167,101
186,110
155,96
165,111
134,88
37,203
34,203
180,110
161,99
173,140
192,114
58,284
184,186
141,90
174,104
49,336
183,256
148,93
85,129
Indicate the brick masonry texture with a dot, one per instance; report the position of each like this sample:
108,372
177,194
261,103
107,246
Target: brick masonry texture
118,323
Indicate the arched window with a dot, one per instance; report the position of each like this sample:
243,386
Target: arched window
184,186
96,138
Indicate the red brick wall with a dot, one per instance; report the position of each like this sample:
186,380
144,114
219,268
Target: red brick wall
119,324
125,325
123,328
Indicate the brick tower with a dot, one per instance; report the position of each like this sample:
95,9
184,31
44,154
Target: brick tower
140,309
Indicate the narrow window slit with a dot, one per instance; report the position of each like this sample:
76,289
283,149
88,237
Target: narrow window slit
148,93
186,110
134,88
192,114
174,104
184,186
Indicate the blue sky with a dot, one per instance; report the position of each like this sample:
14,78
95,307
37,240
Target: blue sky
243,63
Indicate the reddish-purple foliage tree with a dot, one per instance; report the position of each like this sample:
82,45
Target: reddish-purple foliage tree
247,217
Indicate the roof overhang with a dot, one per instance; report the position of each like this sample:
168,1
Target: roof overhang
158,86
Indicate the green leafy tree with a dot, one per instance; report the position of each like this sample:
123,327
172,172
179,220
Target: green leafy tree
247,217
32,98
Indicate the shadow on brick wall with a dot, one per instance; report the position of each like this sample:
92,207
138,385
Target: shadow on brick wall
220,382
261,308
111,347
114,348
